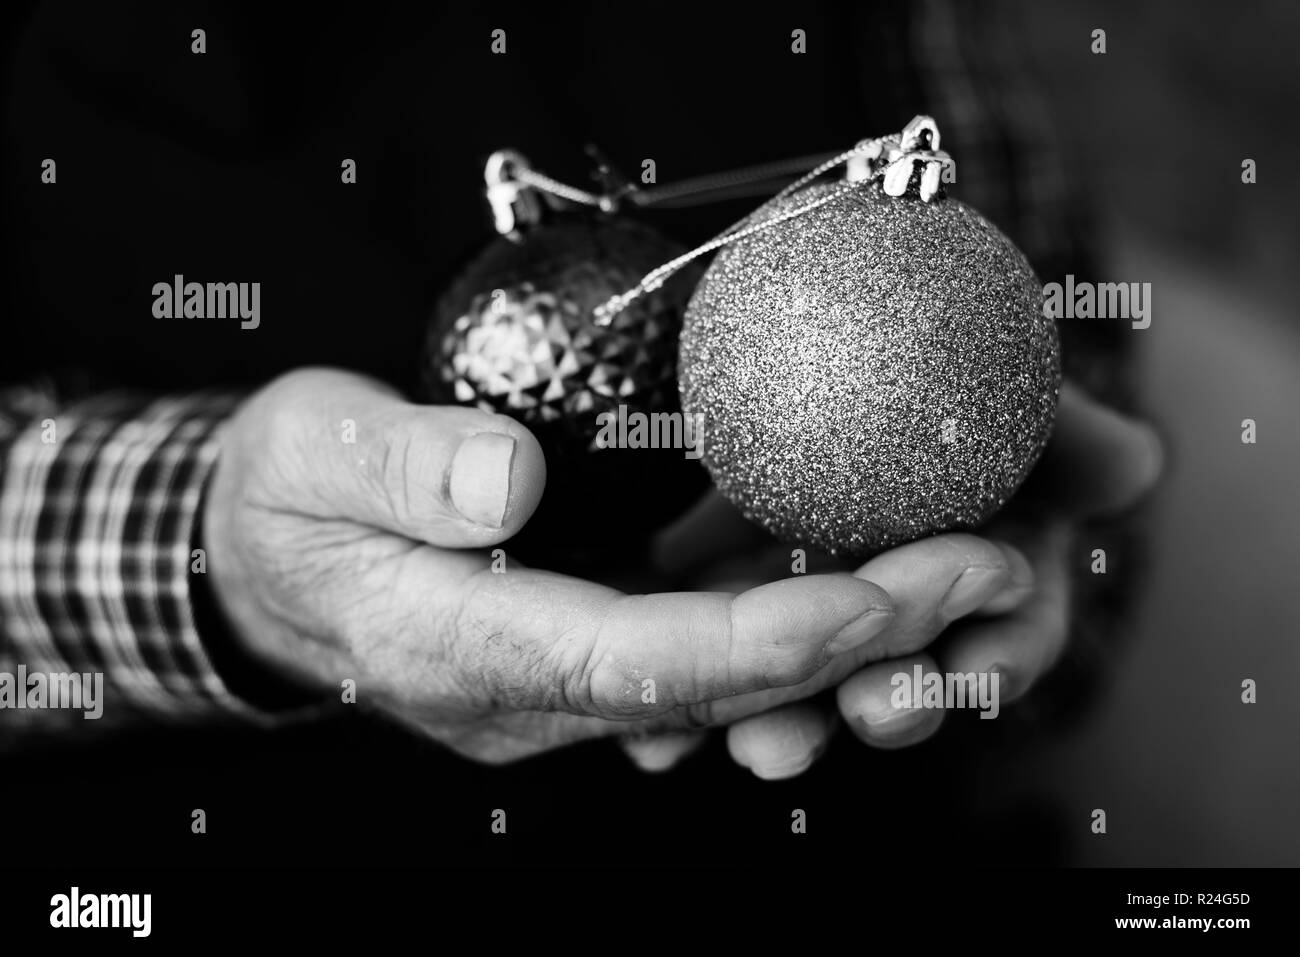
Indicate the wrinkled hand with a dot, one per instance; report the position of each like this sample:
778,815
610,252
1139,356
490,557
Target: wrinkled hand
348,535
996,602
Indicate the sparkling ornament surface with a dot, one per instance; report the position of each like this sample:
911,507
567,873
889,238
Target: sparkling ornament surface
523,342
515,335
872,372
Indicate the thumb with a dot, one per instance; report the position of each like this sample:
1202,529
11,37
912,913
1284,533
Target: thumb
1099,460
445,475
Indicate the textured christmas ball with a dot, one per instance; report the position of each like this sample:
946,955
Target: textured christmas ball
515,335
873,371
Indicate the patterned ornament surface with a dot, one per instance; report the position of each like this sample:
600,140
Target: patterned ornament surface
872,371
515,335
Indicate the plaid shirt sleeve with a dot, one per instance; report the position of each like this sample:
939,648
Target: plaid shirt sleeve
99,501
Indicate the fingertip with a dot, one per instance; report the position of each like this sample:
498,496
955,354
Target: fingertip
860,609
1101,459
883,709
1151,459
832,601
1022,572
1136,464
527,475
1137,455
875,594
784,771
1019,586
660,753
782,743
867,597
932,560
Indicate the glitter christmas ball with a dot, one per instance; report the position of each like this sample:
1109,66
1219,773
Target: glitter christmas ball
873,371
515,335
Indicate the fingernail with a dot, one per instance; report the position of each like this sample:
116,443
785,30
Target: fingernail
892,719
903,728
786,769
1018,586
1022,573
877,711
973,588
479,485
859,631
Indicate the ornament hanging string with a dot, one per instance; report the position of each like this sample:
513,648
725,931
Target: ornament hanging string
893,159
540,181
748,180
604,314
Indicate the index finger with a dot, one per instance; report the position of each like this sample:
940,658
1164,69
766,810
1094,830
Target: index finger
545,641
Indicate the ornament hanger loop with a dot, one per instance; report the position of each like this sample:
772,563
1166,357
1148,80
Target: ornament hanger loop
530,177
512,203
513,187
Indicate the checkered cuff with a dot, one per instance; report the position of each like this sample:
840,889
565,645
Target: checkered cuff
99,501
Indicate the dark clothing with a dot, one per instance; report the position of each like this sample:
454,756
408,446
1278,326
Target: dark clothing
226,167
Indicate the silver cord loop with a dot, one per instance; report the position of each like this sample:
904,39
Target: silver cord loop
908,160
604,314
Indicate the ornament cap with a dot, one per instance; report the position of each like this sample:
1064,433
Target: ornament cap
909,163
513,202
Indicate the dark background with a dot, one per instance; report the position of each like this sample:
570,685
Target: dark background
226,167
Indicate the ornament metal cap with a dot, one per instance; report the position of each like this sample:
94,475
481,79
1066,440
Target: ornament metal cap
909,163
513,202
